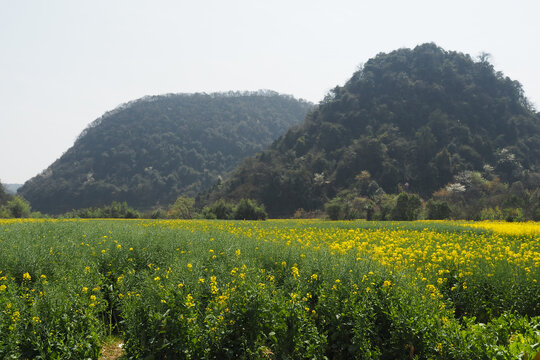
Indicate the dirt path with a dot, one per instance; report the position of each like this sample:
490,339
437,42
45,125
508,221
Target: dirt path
112,350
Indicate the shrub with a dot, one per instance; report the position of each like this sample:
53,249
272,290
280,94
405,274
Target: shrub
333,209
159,213
247,209
437,210
219,210
16,208
491,214
406,208
183,208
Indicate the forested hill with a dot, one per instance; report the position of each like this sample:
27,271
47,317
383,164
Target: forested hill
152,150
412,118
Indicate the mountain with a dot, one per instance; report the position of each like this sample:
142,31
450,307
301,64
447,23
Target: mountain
12,188
150,151
410,119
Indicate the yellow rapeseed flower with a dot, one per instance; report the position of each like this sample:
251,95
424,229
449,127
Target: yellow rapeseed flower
294,271
15,316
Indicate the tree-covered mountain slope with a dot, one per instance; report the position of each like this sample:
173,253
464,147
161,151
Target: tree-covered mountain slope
412,118
152,150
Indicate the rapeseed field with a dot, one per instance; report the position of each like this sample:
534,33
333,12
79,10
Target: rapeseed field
279,289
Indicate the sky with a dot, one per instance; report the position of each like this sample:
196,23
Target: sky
63,63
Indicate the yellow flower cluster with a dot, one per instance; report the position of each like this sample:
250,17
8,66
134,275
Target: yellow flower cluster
508,228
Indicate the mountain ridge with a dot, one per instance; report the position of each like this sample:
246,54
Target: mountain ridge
153,149
413,119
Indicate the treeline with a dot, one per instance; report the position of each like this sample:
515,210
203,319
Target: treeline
13,206
182,208
115,210
186,208
470,197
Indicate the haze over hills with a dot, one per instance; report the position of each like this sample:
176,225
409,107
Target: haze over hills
412,118
12,188
150,151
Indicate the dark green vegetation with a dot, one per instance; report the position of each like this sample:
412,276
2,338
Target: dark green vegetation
245,209
183,208
411,120
12,206
115,210
4,195
154,149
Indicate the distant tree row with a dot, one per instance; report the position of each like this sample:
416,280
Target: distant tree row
245,209
470,196
182,208
115,210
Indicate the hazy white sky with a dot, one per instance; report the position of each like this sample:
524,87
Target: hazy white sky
63,63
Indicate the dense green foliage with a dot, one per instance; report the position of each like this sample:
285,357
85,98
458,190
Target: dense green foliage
14,206
17,208
437,210
245,209
4,196
474,197
183,208
115,210
470,196
414,119
152,150
406,208
220,210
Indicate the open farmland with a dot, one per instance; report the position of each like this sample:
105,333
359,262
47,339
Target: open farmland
278,289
